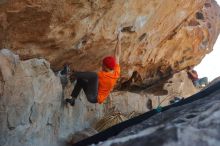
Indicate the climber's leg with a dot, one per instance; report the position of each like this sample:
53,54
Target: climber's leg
79,85
88,81
91,86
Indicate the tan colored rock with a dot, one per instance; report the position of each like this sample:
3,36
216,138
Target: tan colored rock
7,63
178,85
128,102
160,36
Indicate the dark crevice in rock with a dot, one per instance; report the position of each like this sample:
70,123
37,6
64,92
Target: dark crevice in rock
149,104
49,124
208,5
31,111
190,116
187,50
171,35
10,127
143,36
2,87
179,121
78,4
130,84
200,16
209,25
129,29
189,58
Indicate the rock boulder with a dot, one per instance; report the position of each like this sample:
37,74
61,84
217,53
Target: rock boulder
32,111
159,36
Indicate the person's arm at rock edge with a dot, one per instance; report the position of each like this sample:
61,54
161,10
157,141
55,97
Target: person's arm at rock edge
193,74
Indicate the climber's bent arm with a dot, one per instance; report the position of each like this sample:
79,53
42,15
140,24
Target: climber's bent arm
118,49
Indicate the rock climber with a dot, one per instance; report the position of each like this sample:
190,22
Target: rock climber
198,82
97,86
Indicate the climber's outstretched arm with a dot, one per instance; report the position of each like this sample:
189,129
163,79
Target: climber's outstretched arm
118,48
193,74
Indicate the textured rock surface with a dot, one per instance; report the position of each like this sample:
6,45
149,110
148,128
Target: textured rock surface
128,102
178,85
196,123
32,111
30,103
160,36
31,108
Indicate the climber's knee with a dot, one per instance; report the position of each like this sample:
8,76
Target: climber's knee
92,99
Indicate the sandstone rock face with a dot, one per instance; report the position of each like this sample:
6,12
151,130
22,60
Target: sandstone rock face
128,102
196,123
159,36
178,85
31,105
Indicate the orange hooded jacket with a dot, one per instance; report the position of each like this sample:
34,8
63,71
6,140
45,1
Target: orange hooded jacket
107,81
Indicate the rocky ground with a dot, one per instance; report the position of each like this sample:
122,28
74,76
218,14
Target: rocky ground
196,123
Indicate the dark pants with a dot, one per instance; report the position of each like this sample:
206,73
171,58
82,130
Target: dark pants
88,81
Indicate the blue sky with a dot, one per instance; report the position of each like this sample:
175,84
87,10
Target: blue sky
210,65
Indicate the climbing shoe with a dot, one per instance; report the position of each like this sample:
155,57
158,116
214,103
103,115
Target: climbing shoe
71,101
65,70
